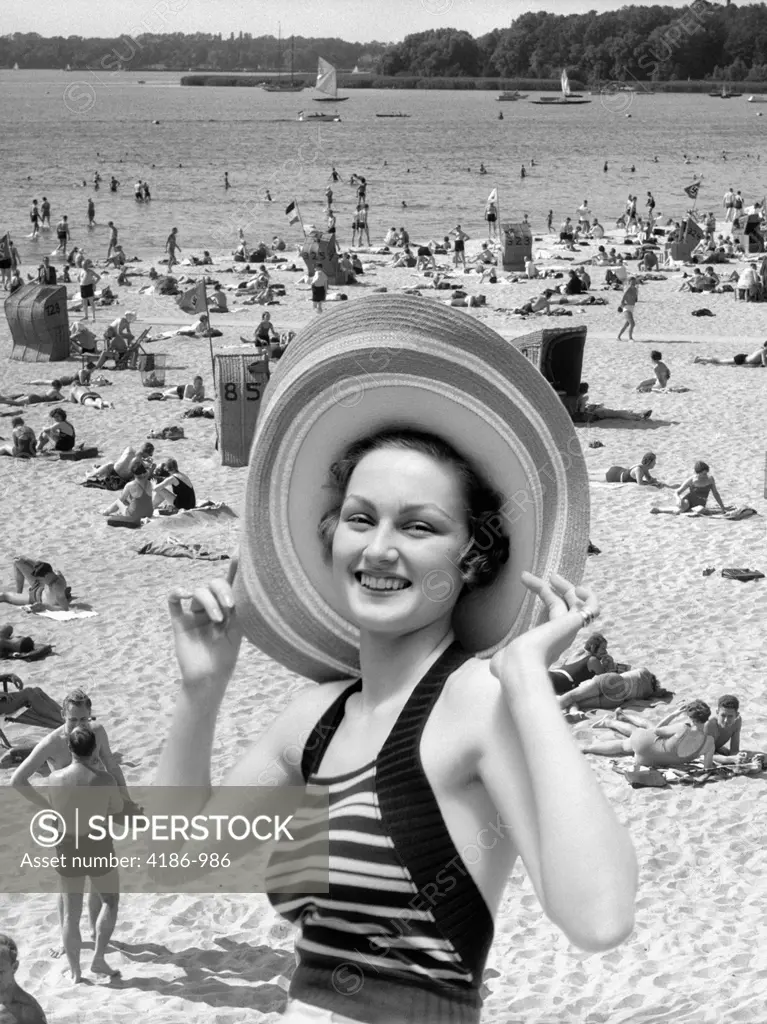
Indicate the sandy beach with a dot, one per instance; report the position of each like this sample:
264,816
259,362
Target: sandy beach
695,956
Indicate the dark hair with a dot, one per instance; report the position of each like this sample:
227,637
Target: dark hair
82,741
171,465
41,569
58,411
701,467
56,385
17,421
697,710
6,942
138,467
488,547
78,698
728,701
649,457
595,638
656,355
583,387
739,359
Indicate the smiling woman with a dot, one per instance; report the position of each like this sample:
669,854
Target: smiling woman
454,527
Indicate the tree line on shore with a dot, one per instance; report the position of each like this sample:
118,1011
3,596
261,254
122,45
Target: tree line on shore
702,41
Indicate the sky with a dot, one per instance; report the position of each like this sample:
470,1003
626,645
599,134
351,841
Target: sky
352,20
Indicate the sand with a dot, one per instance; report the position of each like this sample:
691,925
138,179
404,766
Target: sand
696,953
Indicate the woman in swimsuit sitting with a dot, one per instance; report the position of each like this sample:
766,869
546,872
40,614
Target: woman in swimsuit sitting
24,441
173,488
135,502
265,331
639,474
62,433
694,492
663,746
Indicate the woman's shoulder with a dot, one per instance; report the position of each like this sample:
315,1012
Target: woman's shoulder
472,687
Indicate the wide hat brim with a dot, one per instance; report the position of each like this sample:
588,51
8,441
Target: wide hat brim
402,361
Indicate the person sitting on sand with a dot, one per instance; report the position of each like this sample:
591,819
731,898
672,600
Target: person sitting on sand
391,237
586,412
194,392
748,285
593,659
757,358
47,588
30,699
122,466
661,371
663,746
639,474
81,394
117,259
696,283
485,256
573,285
61,434
135,502
24,444
201,328
694,492
609,690
19,399
404,258
218,300
117,338
16,1005
173,489
265,331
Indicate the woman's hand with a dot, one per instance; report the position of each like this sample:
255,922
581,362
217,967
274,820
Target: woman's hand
545,643
207,635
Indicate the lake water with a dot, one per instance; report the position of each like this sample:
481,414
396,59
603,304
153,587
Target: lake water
59,128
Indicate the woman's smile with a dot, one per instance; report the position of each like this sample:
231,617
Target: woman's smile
380,583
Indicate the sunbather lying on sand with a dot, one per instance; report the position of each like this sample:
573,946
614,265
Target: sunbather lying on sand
194,392
639,474
122,467
10,645
757,358
586,411
41,709
611,689
20,398
725,730
592,660
46,586
81,394
662,746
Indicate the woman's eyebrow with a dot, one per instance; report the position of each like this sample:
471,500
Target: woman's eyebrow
404,509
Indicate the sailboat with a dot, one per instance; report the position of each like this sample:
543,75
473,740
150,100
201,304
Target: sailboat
15,67
327,85
279,85
725,94
571,99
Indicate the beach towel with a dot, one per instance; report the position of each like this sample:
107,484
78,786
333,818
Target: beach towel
173,548
205,514
113,482
60,616
744,575
690,775
735,515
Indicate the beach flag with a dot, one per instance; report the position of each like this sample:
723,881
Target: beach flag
291,212
692,190
493,197
5,247
193,300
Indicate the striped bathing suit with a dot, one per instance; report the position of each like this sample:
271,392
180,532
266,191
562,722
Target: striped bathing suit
403,933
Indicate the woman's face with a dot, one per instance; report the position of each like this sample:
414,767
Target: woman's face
399,541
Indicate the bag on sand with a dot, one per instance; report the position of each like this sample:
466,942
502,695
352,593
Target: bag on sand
744,575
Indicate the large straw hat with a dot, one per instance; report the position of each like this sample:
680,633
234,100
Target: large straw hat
386,361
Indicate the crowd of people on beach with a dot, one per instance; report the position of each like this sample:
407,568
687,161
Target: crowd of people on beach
444,962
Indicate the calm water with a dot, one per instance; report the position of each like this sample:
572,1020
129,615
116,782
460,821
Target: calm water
59,128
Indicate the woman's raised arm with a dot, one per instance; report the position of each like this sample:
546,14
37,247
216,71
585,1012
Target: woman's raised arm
579,857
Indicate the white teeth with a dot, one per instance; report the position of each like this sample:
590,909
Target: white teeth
382,583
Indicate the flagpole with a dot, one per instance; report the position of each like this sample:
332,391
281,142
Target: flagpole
210,334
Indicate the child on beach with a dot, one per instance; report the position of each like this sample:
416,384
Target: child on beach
16,1005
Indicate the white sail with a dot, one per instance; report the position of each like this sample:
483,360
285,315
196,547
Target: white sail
565,85
326,80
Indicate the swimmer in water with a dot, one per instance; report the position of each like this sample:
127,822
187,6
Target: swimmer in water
633,169
482,169
268,196
404,205
532,163
523,172
226,179
605,168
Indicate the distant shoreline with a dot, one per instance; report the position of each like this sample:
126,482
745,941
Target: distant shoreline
368,81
